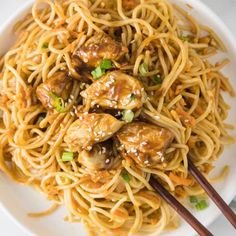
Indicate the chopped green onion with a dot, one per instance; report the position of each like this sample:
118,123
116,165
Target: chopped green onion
41,117
132,96
128,115
186,38
157,79
58,102
97,73
67,156
143,69
125,176
106,64
193,199
201,205
101,69
45,45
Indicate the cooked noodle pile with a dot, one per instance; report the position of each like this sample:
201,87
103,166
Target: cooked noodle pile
97,95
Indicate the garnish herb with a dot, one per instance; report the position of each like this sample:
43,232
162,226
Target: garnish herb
202,205
193,199
106,64
198,204
132,97
67,156
45,45
125,176
41,117
127,116
186,38
143,69
98,72
58,102
157,79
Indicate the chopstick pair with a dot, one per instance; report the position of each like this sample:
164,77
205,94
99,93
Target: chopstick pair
183,212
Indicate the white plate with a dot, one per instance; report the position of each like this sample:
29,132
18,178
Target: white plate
18,200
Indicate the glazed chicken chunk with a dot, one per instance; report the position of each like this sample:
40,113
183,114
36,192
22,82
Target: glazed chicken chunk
99,47
90,129
144,143
115,90
101,157
59,84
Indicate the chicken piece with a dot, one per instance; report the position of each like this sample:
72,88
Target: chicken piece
144,143
101,157
90,129
99,47
116,90
59,84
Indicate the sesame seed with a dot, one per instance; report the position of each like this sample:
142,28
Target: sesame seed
72,113
143,143
157,117
107,161
103,150
89,129
89,148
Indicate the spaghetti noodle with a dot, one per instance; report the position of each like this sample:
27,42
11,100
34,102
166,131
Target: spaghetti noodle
62,131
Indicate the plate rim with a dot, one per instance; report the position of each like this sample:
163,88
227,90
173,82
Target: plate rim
12,19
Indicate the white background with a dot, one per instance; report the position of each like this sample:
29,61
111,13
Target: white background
226,9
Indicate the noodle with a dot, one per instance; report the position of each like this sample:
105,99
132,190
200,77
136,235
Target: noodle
167,51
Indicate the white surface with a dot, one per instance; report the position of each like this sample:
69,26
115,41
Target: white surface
225,9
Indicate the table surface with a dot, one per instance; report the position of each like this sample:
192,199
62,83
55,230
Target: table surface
225,9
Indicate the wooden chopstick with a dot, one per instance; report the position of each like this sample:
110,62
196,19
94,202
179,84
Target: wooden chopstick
225,209
179,208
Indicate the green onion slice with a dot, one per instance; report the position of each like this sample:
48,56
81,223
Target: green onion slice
128,116
193,199
45,45
41,117
106,64
101,69
67,156
125,176
143,69
186,38
201,205
157,79
58,102
132,97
